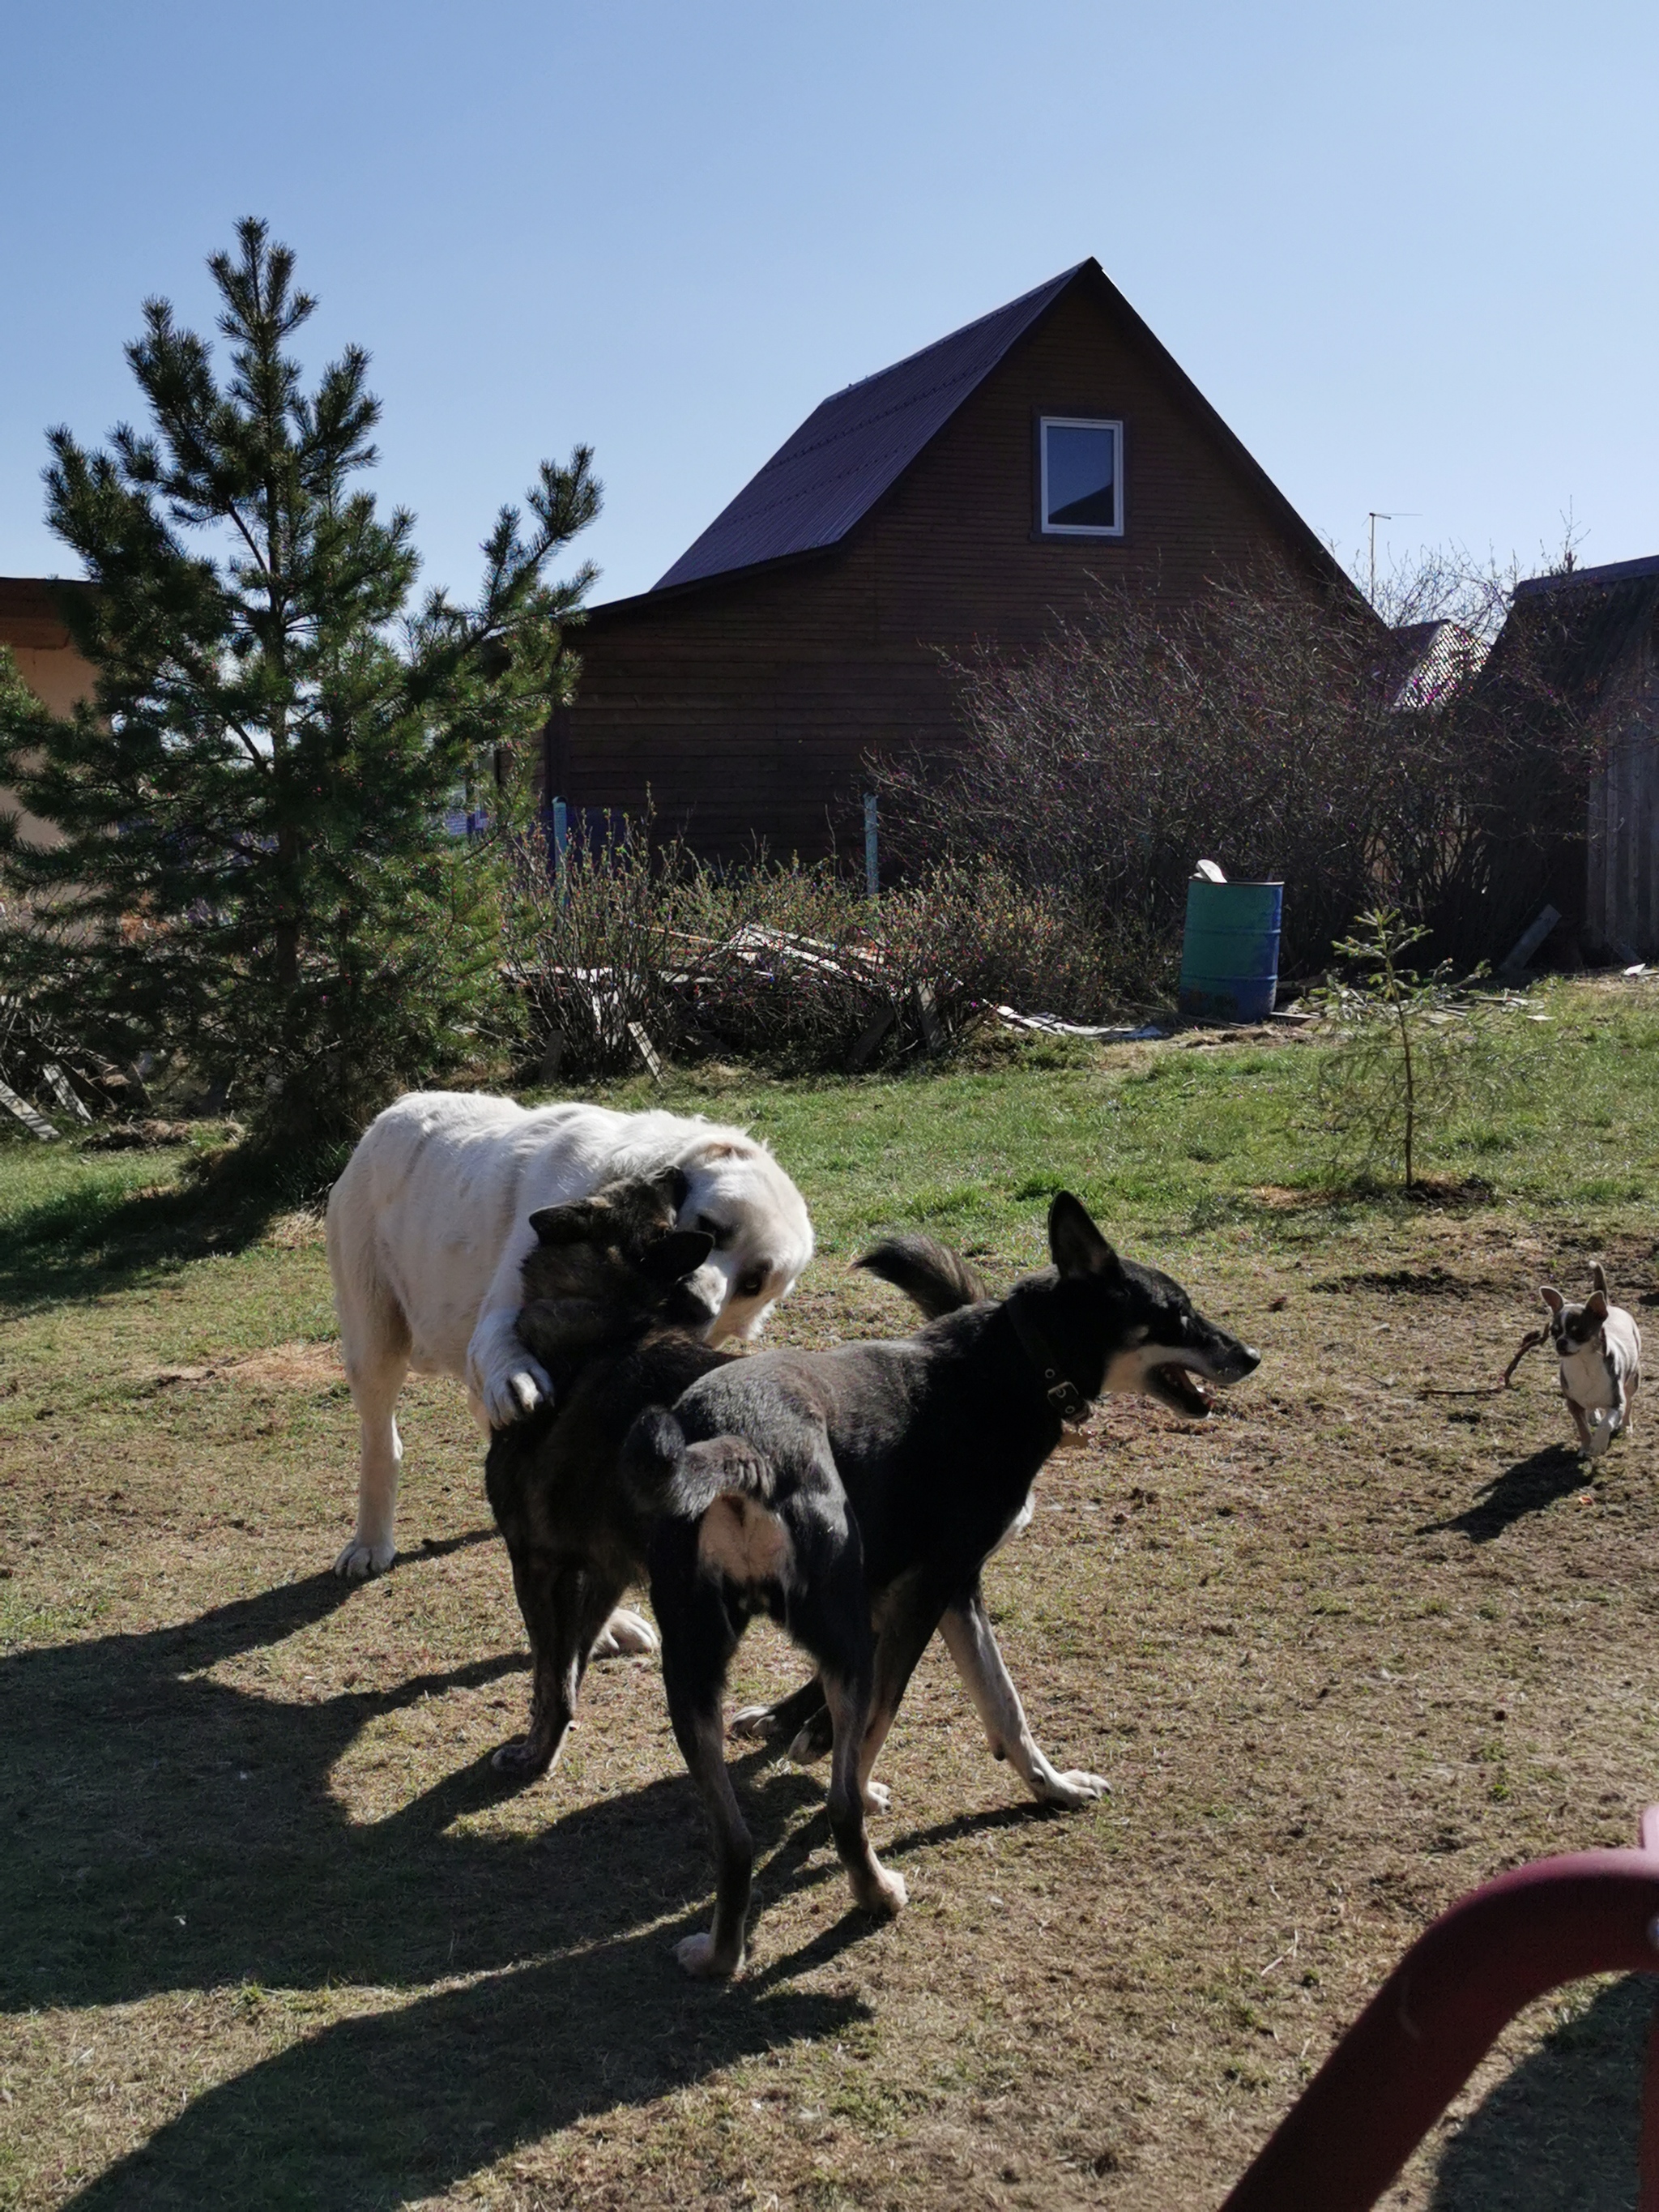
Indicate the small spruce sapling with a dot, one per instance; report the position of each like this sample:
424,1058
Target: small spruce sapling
1407,1050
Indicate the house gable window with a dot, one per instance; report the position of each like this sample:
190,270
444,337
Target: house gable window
1081,471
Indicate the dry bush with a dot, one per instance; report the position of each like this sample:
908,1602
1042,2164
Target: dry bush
595,949
785,960
1262,726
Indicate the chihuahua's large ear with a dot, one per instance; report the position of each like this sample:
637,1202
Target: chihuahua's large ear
679,1254
1077,1246
1552,1297
675,1185
1598,1278
1597,1305
568,1225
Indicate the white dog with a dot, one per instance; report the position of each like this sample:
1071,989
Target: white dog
1600,1349
427,1230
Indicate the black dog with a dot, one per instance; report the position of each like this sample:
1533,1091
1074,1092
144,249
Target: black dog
615,1312
933,1443
736,1536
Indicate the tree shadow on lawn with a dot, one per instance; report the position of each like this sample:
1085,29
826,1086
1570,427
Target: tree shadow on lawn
1560,2134
165,1830
88,1241
1531,1485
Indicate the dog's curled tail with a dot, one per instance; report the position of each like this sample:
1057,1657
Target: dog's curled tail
937,1280
664,1475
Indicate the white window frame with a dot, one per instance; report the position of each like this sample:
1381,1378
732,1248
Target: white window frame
1079,423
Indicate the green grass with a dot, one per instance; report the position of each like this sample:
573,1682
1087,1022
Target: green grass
1192,1134
1183,1137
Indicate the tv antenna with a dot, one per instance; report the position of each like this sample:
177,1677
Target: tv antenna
1375,514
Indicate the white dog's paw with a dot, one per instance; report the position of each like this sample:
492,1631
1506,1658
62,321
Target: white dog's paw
1072,1789
814,1741
753,1721
697,1955
624,1633
877,1798
886,1894
513,1394
360,1561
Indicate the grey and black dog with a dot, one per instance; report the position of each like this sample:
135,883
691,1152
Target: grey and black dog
857,1493
616,1309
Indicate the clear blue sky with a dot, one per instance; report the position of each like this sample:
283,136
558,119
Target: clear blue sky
1406,251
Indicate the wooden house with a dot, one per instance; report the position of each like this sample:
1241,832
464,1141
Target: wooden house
32,624
1591,640
966,497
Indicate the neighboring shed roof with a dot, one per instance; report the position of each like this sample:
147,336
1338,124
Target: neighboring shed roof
1570,579
854,446
1570,632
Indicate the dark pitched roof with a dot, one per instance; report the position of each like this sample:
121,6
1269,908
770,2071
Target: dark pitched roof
853,449
1568,634
847,451
1570,579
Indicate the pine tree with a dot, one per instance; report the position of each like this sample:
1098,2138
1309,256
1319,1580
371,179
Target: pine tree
256,884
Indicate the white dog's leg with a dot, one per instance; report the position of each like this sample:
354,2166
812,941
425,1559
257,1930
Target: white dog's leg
500,1373
376,1374
972,1645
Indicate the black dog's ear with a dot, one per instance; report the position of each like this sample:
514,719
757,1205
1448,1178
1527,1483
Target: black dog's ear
1076,1245
681,1254
676,1185
568,1225
1552,1297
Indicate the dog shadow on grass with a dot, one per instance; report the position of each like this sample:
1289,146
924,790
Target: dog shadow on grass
165,1830
1531,1485
398,2105
1559,2134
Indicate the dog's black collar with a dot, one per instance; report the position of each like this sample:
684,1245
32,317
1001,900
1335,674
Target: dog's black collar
1062,1394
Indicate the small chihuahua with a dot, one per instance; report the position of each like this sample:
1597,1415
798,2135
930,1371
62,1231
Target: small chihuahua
1599,1348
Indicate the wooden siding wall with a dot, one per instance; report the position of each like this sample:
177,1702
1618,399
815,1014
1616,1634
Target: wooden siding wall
744,706
38,636
1622,889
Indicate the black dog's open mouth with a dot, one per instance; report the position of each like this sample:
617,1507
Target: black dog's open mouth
1180,1389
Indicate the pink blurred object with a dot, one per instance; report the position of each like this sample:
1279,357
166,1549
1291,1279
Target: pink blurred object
1445,2004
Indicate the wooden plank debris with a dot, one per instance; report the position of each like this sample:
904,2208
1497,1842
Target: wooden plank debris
71,1102
872,1037
36,1124
646,1050
1529,940
1051,1025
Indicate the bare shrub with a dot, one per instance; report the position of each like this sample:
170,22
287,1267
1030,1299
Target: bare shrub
1268,725
595,948
786,960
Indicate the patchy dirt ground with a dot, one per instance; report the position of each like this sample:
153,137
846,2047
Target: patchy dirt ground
270,1933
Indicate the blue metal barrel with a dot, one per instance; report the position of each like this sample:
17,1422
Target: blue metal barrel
1229,956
